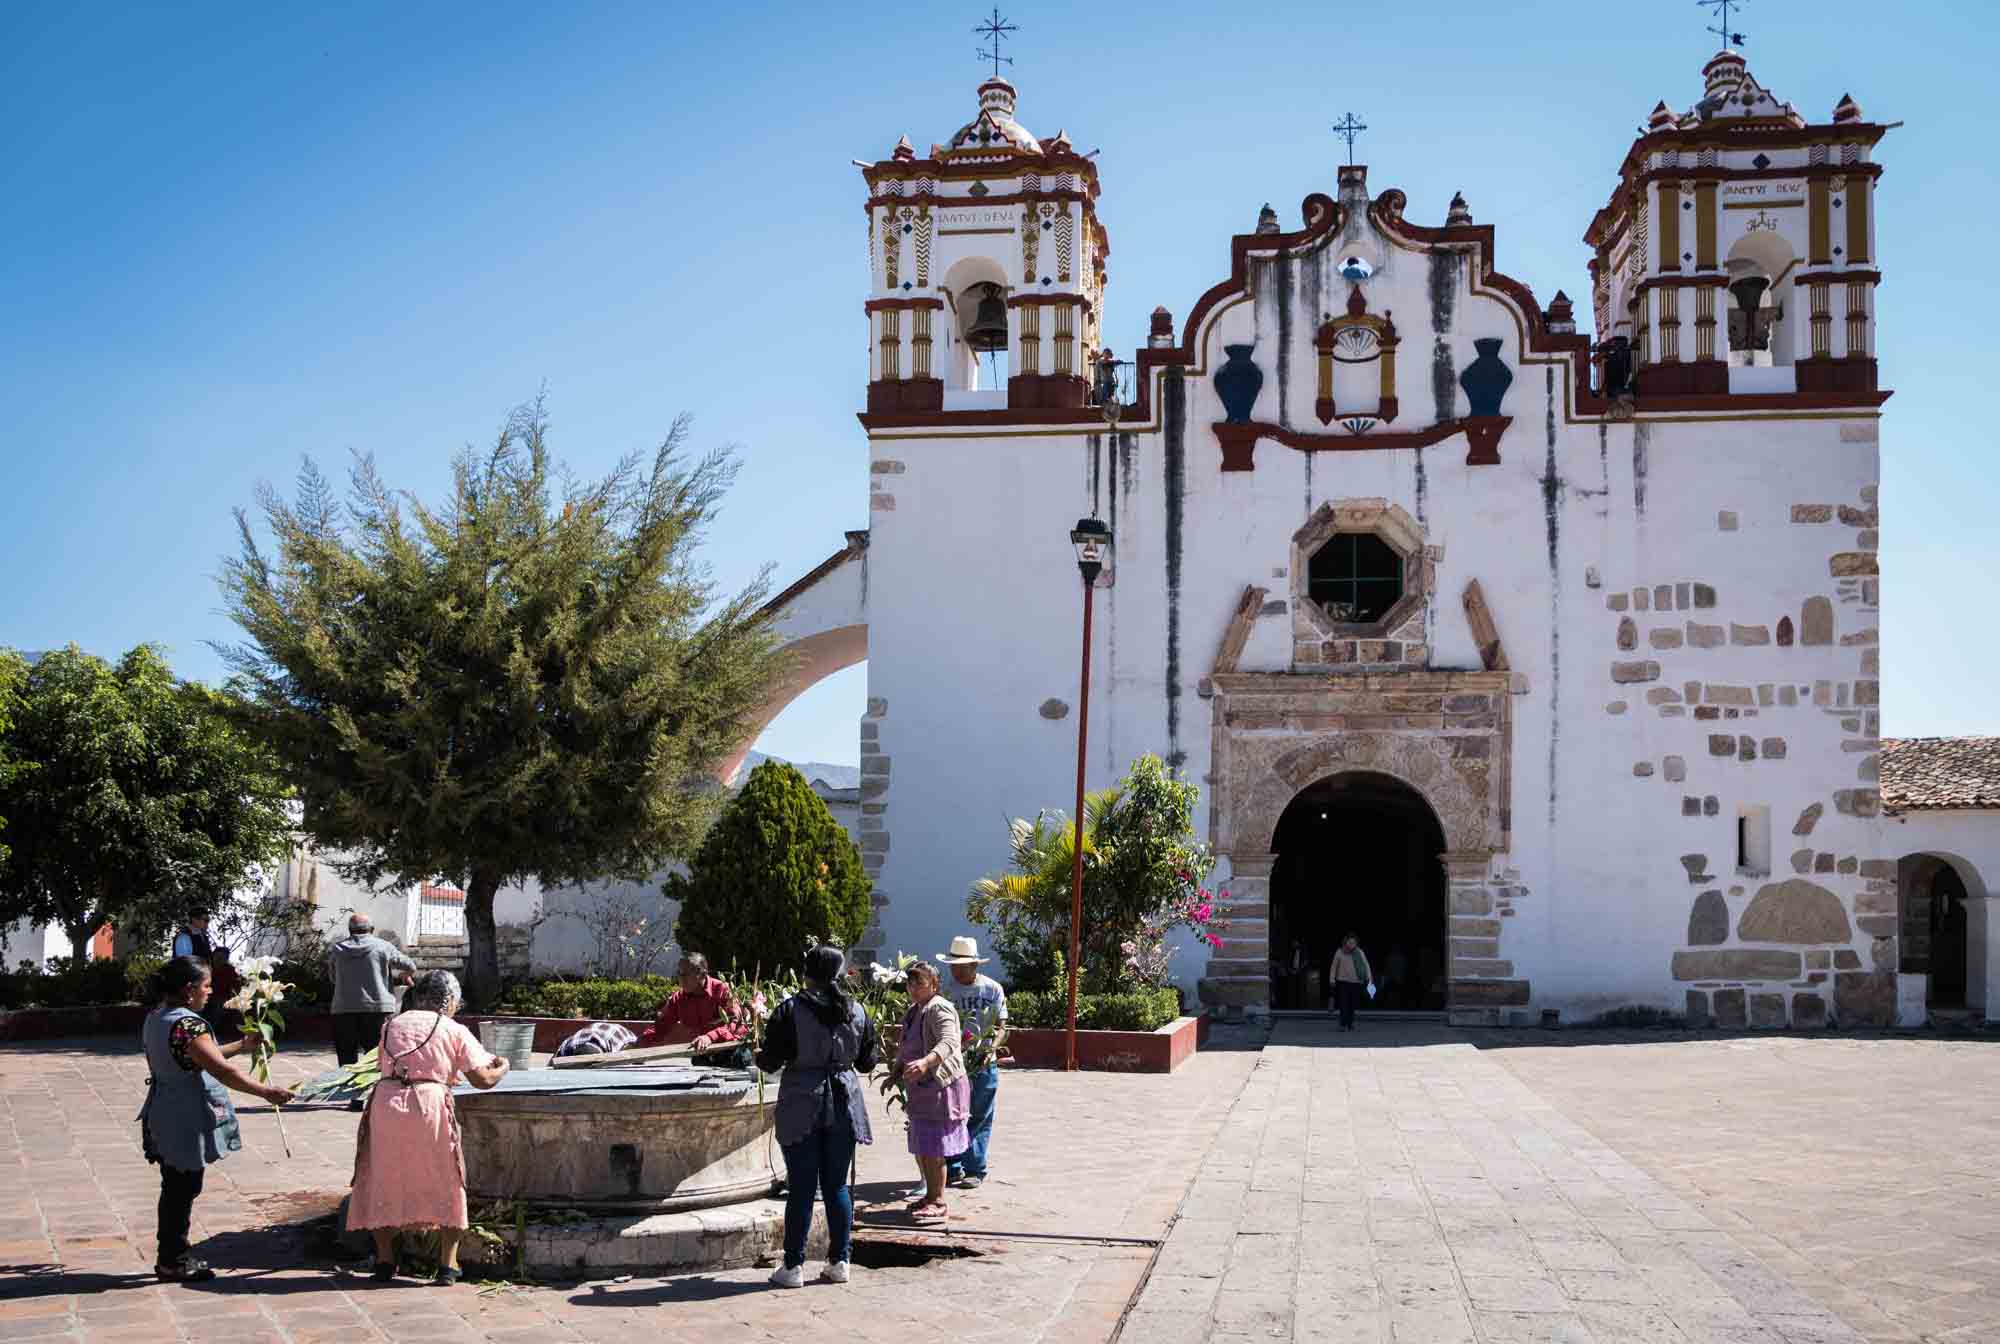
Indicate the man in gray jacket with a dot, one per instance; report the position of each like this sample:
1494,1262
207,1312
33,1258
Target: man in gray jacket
365,971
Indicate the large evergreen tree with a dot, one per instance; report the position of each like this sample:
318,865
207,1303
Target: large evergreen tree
131,799
534,679
775,874
13,678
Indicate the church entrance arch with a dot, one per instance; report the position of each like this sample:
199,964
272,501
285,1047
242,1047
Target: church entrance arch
1359,852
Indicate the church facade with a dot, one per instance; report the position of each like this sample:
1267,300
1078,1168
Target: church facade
1546,664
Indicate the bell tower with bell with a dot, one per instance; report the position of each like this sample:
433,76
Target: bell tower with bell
986,264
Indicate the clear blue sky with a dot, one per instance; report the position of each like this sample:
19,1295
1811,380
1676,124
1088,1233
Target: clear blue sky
234,235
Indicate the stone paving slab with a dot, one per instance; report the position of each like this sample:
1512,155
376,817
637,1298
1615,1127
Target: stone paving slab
1402,1185
1867,1171
1088,1170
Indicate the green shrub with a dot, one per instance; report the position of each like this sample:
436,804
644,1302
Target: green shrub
1139,1010
616,1000
775,874
311,986
67,982
140,968
1142,874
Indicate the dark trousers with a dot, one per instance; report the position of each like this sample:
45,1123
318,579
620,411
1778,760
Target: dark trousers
178,1191
818,1165
355,1034
1347,997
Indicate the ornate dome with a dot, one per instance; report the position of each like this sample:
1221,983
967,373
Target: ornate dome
994,128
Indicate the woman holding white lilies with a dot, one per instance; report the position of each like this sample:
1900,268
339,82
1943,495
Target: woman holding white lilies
409,1170
188,1120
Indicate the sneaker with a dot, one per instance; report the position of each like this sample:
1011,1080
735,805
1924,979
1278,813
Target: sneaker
789,1276
969,1182
357,1105
835,1272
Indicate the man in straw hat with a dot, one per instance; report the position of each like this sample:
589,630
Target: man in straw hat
982,1010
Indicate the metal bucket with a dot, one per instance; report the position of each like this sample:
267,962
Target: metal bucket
514,1041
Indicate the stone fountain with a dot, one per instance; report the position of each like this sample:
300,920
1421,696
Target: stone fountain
621,1169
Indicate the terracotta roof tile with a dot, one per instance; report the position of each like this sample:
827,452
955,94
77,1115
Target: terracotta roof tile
1930,772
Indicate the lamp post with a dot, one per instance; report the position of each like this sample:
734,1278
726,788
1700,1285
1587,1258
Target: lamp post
1092,540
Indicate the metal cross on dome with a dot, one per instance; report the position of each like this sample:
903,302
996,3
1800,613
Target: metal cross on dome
1349,127
995,29
1721,10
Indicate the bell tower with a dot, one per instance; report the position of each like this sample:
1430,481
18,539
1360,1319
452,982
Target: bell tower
986,265
1737,256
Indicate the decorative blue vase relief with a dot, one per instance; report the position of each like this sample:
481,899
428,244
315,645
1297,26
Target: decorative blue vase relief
1486,379
1237,383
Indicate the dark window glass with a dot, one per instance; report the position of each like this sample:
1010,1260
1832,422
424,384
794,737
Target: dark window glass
1355,578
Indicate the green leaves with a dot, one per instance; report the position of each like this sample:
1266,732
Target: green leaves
530,677
131,798
775,873
1139,854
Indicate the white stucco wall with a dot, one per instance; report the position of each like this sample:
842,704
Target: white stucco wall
973,609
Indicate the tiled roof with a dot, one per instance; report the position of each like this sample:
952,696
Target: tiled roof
1927,772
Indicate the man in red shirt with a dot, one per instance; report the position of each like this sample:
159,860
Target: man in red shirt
701,1011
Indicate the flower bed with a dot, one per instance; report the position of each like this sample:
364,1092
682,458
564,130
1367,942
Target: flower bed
1160,1051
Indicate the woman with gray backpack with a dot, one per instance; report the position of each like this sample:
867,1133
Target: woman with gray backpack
822,1039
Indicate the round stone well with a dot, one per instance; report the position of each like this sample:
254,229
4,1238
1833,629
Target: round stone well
614,1170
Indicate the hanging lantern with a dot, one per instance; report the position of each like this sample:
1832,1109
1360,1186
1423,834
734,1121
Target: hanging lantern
988,331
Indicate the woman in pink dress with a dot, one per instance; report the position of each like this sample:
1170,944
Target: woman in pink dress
408,1168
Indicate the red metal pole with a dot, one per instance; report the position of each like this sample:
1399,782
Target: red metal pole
1076,873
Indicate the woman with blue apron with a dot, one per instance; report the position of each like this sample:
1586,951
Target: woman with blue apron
188,1120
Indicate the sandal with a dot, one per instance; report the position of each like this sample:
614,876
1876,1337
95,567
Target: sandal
928,1208
447,1277
185,1270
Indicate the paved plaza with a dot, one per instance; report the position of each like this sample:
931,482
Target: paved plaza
1403,1183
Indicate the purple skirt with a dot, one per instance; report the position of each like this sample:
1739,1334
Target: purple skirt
937,1118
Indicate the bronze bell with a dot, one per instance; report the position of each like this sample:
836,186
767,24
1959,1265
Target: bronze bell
989,320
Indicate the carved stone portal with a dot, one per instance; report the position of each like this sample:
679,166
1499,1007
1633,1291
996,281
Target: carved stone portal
1447,735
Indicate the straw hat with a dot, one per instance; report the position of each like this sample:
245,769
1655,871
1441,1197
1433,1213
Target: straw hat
964,951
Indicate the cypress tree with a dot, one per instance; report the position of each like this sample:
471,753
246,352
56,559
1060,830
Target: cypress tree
534,679
776,873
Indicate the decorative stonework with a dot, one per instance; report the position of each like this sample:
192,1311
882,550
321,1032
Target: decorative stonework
1395,640
1446,735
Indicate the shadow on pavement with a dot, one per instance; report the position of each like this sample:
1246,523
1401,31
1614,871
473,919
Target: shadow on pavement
664,1292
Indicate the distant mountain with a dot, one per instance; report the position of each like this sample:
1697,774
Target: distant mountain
833,776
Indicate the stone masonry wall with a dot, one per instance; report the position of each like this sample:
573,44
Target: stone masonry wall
1785,930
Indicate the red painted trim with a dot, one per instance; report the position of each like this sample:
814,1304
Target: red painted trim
1085,418
1044,392
1239,442
1160,1051
898,305
1835,277
965,202
1048,301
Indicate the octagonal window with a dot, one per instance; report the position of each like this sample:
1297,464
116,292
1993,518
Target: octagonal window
1355,577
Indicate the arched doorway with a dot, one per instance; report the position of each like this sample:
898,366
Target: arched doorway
1359,852
1936,928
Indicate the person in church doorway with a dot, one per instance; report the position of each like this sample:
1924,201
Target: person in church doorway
982,1015
1351,976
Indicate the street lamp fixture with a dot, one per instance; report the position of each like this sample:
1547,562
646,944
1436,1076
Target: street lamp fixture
1092,540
